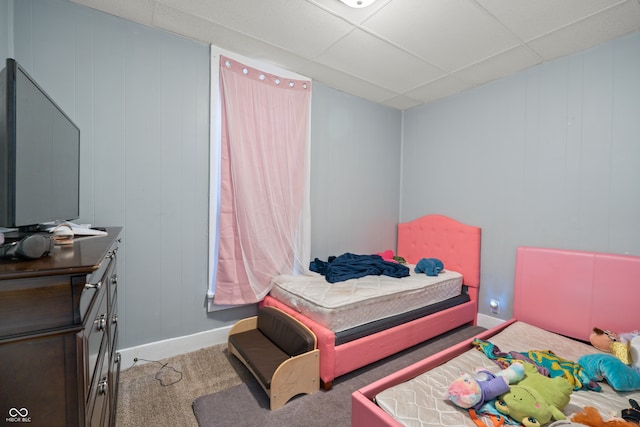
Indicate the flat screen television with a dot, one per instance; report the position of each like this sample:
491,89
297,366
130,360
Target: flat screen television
39,155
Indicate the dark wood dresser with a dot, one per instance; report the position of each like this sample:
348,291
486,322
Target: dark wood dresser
59,364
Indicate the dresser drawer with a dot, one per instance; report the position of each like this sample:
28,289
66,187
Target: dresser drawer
113,324
37,304
94,338
98,281
112,275
114,371
57,335
100,335
114,381
98,404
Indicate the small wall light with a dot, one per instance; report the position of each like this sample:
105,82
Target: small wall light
495,306
358,3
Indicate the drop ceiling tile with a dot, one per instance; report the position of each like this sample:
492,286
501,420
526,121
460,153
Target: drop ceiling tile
199,28
173,20
449,34
394,51
345,82
140,11
440,88
612,23
530,19
299,26
193,27
500,65
361,54
401,102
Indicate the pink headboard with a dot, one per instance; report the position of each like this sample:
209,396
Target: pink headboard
456,244
571,292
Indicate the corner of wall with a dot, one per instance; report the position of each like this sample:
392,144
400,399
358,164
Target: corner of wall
485,321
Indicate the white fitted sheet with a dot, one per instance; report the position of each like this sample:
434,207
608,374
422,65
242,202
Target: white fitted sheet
344,305
423,400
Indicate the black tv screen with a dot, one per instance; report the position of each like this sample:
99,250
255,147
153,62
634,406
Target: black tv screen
39,154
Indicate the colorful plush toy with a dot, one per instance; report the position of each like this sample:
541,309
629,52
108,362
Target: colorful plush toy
607,367
617,344
429,266
591,417
468,391
602,339
632,414
536,399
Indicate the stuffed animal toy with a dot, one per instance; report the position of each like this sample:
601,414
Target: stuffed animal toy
429,266
536,399
602,339
468,391
632,414
590,416
610,342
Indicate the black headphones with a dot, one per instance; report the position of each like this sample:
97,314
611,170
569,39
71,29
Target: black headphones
29,247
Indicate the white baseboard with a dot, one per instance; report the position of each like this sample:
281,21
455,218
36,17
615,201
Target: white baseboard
172,347
488,322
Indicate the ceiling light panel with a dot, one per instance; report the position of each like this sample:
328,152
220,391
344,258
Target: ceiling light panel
358,3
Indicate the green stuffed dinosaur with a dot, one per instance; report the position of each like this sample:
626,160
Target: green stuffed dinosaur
535,400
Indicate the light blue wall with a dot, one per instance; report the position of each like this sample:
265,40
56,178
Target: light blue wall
355,174
6,23
141,99
548,157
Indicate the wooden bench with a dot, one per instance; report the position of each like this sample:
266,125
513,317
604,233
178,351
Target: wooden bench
279,351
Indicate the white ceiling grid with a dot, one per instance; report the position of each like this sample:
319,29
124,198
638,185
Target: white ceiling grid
399,53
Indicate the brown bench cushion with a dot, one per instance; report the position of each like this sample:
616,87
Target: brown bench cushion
259,352
277,338
292,337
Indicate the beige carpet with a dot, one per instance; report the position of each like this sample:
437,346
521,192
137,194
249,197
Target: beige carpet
152,395
246,405
163,393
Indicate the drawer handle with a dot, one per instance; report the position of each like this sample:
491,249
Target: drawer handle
93,285
112,254
103,386
101,322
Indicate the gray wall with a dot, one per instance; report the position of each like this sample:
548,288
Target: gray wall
548,157
141,99
6,22
355,174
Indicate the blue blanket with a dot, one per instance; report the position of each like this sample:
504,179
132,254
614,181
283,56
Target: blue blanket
350,266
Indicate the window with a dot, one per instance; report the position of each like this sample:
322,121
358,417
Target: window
259,202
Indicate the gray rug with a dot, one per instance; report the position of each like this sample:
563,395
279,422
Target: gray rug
247,405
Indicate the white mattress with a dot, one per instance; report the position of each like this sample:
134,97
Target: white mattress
423,400
343,305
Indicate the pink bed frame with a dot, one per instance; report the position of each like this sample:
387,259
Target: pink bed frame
432,236
567,292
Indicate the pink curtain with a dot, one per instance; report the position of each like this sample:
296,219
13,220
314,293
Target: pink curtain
264,200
